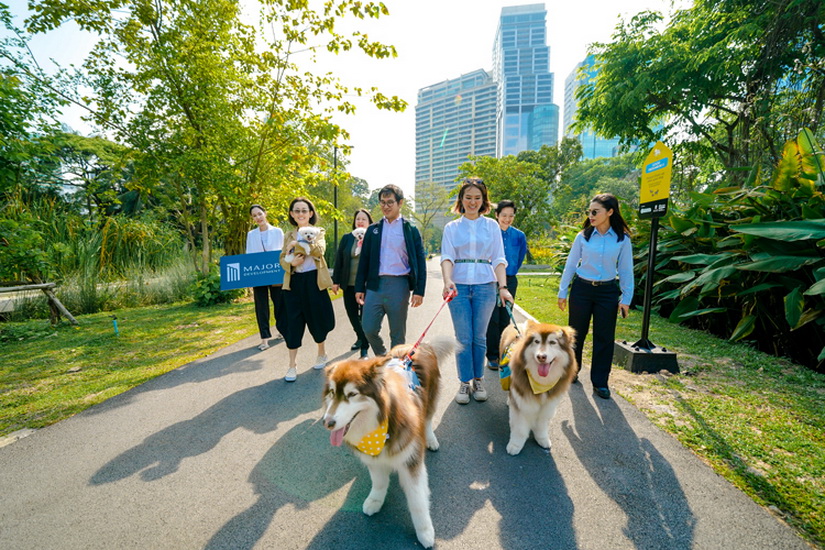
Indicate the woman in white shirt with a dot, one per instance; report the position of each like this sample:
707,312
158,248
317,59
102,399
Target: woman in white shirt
265,238
472,263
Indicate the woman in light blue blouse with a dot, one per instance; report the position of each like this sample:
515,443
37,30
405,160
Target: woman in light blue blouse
601,260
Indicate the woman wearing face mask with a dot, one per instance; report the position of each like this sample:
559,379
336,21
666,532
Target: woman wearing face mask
472,262
515,249
306,280
265,238
600,266
346,268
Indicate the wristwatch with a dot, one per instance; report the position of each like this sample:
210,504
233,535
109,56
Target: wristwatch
502,288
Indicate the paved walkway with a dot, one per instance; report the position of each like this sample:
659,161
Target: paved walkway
222,454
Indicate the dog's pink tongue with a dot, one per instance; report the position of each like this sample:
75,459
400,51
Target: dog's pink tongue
336,437
544,369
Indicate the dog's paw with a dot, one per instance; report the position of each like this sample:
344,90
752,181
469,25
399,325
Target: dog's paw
514,448
544,442
372,505
426,537
432,443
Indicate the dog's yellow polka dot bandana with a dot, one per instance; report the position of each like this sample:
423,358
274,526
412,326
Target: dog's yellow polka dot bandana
538,387
373,443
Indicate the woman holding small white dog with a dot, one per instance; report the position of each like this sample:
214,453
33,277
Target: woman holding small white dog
343,276
472,262
306,280
266,238
601,259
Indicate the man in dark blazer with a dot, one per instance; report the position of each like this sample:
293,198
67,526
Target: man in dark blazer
392,268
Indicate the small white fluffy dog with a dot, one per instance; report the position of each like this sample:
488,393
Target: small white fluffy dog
359,233
306,235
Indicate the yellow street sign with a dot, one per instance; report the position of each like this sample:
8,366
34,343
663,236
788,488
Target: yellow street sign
655,190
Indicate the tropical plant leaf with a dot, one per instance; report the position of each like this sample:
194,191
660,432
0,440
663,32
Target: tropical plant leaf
821,356
807,317
778,264
794,305
785,231
758,288
816,288
743,328
811,164
700,259
711,277
705,311
686,305
679,277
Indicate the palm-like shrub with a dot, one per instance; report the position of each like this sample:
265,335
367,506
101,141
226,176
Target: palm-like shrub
749,262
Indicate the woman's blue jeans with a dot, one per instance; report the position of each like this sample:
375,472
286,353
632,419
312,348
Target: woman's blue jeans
471,310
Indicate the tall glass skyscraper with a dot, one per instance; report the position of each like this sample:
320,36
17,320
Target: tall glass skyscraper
454,119
526,117
593,145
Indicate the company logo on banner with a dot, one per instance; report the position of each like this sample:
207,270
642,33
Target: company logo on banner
655,189
248,270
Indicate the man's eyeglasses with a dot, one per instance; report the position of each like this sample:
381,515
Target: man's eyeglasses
303,211
387,203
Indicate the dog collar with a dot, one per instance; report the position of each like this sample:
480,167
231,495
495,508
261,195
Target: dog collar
537,386
373,443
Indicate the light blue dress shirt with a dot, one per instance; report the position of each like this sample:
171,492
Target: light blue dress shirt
602,258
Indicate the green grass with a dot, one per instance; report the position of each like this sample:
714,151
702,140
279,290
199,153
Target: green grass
758,420
50,373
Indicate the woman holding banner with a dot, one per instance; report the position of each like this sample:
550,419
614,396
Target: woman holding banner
265,238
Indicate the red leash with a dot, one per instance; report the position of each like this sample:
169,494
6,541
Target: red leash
408,358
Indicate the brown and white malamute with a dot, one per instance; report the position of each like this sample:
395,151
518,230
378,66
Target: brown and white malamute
543,366
370,406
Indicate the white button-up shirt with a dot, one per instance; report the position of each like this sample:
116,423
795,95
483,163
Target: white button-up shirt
264,241
478,239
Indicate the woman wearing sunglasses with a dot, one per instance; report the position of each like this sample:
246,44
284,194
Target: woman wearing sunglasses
600,267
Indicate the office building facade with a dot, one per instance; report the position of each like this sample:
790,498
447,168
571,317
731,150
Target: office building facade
526,117
593,145
454,119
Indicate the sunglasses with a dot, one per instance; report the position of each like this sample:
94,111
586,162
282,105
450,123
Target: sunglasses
592,212
387,203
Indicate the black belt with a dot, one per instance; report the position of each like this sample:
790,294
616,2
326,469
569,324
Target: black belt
596,283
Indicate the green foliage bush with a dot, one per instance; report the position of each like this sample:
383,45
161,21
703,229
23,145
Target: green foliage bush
748,263
206,290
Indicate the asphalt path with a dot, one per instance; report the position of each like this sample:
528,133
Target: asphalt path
223,454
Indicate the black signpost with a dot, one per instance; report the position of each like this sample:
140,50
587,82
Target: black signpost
644,355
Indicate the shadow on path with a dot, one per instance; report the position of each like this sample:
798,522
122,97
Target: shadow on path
631,472
259,409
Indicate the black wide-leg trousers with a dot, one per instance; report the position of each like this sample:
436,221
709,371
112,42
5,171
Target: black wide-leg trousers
601,303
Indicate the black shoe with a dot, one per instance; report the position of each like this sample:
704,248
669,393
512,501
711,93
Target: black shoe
576,379
604,393
356,345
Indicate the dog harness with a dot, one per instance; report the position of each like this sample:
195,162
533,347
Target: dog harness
373,443
504,369
538,387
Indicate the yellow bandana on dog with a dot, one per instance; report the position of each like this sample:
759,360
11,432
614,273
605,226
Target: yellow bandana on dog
537,387
373,443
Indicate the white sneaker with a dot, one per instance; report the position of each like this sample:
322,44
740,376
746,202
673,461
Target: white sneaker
479,393
320,362
291,375
463,395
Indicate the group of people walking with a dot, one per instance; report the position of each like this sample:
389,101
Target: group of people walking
385,274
